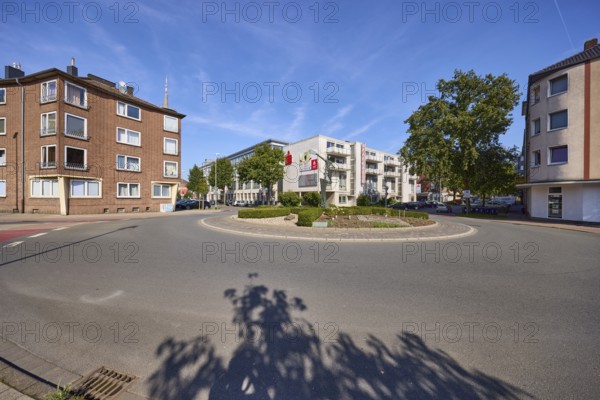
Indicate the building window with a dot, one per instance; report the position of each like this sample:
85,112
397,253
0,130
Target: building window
171,124
44,188
128,163
75,126
343,181
162,191
48,156
129,111
558,155
170,169
536,127
555,202
343,199
75,95
170,146
2,157
128,190
2,96
536,158
3,188
127,136
48,91
75,158
81,188
559,85
2,126
558,120
535,95
48,124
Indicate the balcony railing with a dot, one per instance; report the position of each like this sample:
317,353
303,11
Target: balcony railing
338,150
79,134
391,161
340,166
47,131
78,166
391,173
373,171
371,157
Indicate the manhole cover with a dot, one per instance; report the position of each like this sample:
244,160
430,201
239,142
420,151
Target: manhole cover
103,384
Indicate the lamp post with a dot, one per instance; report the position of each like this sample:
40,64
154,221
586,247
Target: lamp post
216,180
325,180
385,190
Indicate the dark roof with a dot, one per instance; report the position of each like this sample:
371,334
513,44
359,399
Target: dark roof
88,81
579,58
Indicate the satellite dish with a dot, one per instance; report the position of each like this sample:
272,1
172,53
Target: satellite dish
122,87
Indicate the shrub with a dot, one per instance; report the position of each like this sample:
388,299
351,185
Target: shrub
289,199
376,211
312,199
264,212
307,216
363,200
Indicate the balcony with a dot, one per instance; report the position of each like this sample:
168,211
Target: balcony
77,166
373,171
337,150
77,134
393,174
371,157
340,166
391,161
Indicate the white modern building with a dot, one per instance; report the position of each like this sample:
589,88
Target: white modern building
354,169
562,139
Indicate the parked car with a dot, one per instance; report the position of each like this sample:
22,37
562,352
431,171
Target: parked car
441,207
206,204
496,203
186,204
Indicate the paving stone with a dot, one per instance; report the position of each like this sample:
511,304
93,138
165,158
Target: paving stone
12,394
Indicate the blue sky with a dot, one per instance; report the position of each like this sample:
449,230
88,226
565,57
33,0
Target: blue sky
362,67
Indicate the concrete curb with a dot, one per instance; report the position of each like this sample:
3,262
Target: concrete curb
470,231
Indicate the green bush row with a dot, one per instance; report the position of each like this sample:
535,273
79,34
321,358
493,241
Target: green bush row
368,210
308,215
264,212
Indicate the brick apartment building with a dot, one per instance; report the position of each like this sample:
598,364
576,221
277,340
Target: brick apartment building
80,145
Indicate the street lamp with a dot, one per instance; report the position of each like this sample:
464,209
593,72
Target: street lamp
385,190
326,180
216,181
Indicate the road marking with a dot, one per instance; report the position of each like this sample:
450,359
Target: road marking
90,299
61,228
13,244
37,235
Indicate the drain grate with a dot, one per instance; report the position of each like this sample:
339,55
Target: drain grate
103,384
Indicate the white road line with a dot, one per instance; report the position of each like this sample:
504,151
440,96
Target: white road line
60,229
37,235
13,244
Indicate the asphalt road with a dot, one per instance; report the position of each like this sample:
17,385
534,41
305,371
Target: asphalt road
511,312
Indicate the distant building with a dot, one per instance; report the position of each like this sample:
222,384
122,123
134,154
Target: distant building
73,145
355,169
562,139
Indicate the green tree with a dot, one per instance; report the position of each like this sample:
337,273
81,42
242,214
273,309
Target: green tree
363,200
500,176
265,167
224,171
289,199
197,182
449,134
312,199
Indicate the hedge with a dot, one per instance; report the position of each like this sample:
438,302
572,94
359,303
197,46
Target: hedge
307,216
264,212
357,210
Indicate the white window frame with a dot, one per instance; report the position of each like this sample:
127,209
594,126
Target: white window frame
84,157
85,95
41,180
44,98
2,182
165,169
85,189
129,184
127,105
161,185
165,118
3,90
554,79
550,148
533,165
3,164
42,129
535,100
550,120
127,163
165,146
533,132
85,132
126,134
42,156
3,133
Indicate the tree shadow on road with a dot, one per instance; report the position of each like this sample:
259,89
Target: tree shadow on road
282,356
